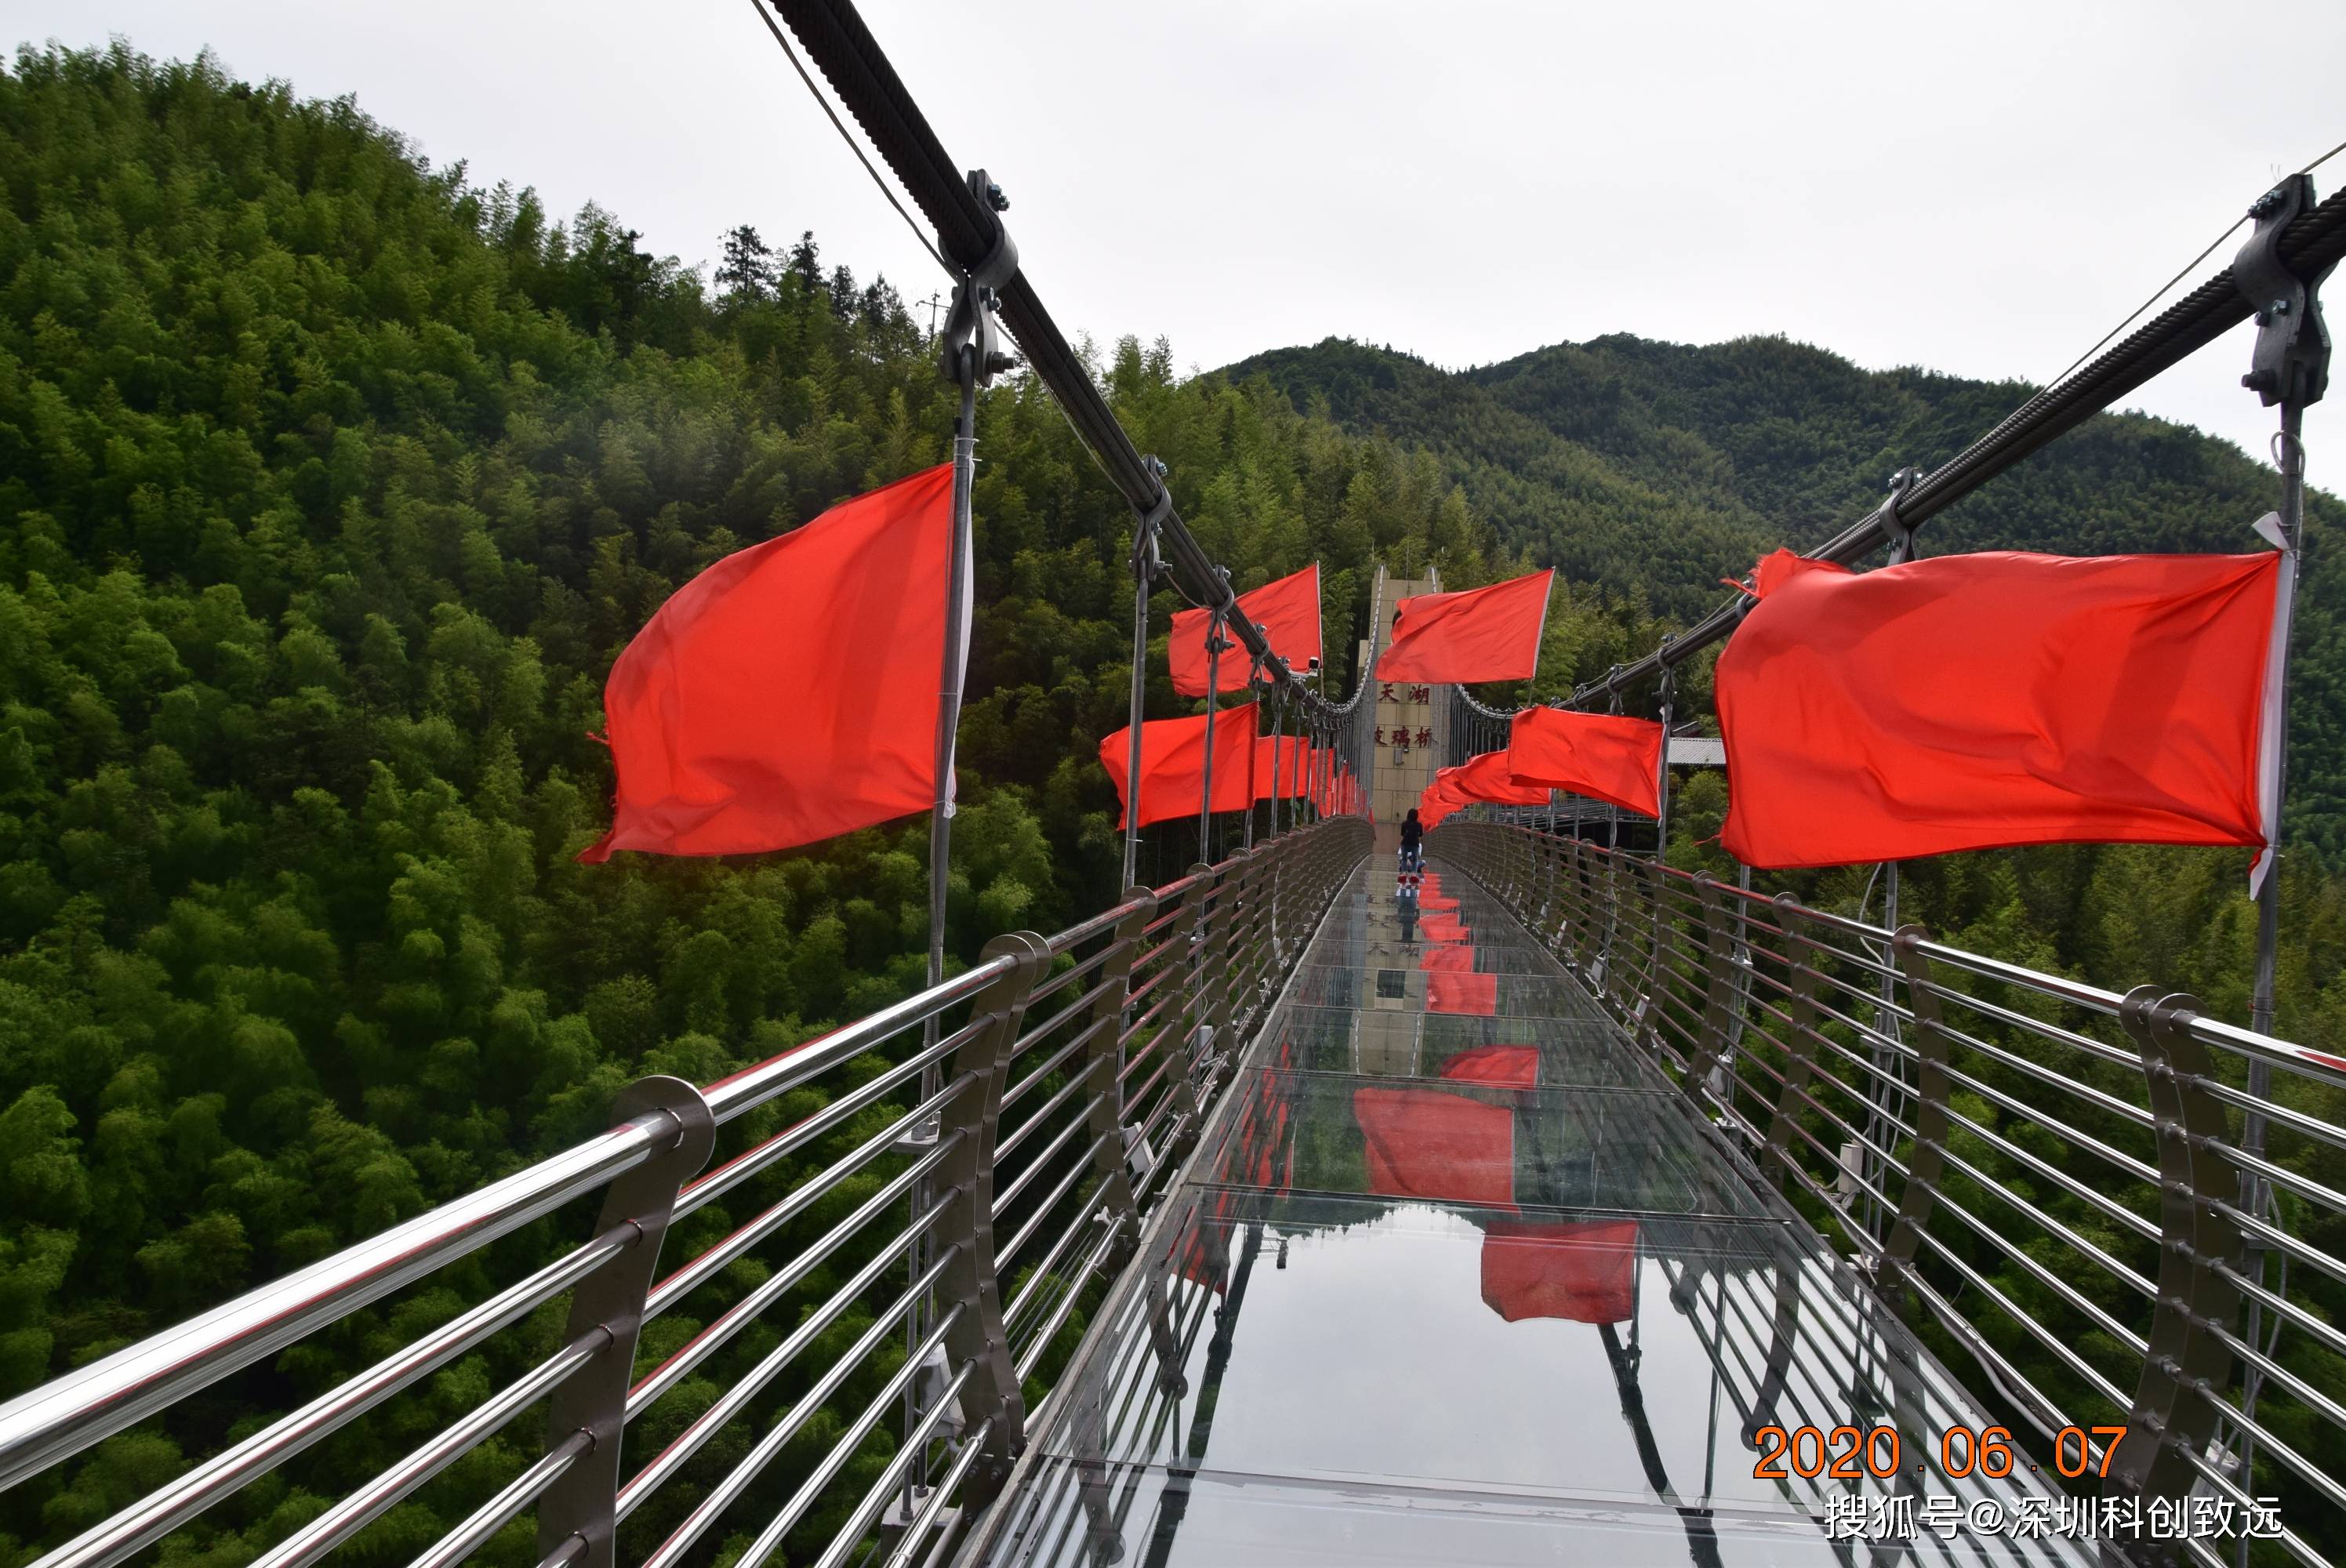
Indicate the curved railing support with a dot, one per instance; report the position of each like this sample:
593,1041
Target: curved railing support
589,1410
975,1336
2175,1410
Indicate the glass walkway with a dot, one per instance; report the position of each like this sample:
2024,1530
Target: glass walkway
1458,1277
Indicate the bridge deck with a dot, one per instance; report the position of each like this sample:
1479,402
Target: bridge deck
1458,1277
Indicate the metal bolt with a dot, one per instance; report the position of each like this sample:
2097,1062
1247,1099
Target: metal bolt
2279,307
994,198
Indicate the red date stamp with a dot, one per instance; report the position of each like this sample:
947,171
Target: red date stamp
1853,1454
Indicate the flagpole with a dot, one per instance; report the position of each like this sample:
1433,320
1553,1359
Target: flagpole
1213,692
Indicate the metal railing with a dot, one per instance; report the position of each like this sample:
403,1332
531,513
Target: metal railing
2053,1181
870,1291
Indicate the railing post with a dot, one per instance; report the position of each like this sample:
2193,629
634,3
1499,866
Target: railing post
1214,958
1801,1047
1718,1000
1662,931
991,1398
2175,1409
1104,1096
589,1411
1928,1161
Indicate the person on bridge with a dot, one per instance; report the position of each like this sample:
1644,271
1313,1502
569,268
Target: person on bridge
1413,841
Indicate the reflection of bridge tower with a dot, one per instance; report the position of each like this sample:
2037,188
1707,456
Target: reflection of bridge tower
1387,1030
1402,773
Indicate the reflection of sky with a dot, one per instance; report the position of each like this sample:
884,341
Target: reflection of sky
1373,1355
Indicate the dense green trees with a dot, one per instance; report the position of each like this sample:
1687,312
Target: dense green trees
330,486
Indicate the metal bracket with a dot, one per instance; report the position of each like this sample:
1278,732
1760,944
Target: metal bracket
592,1404
2291,362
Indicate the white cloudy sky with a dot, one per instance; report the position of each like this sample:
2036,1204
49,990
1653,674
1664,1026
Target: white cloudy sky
1982,188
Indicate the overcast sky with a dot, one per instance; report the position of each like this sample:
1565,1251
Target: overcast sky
1982,188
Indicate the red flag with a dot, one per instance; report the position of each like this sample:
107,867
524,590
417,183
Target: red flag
1462,991
1478,634
1173,765
1580,1271
1290,761
1969,702
789,693
1502,1066
1288,611
1485,777
1603,756
1432,1144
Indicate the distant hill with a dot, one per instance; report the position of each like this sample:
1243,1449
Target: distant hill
1661,467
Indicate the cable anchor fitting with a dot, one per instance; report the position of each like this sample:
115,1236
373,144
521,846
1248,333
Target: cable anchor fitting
1891,518
1148,565
971,339
2291,362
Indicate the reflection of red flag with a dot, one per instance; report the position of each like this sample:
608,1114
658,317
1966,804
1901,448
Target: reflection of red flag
1485,777
1603,756
1455,957
1173,764
1479,634
1452,991
1433,930
789,693
1967,702
1287,610
1581,1273
1431,903
1430,1143
1502,1066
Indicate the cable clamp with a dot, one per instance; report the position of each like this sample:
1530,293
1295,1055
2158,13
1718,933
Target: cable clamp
970,344
1145,562
2291,362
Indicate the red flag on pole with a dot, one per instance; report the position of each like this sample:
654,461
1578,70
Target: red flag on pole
1969,702
1478,634
1485,777
1289,761
1603,756
1288,611
1173,765
789,693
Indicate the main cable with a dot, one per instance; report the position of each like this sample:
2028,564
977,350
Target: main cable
853,144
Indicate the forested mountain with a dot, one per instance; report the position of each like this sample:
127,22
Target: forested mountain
330,485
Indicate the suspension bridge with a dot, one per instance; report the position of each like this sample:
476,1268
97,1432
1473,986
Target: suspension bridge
1565,1205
